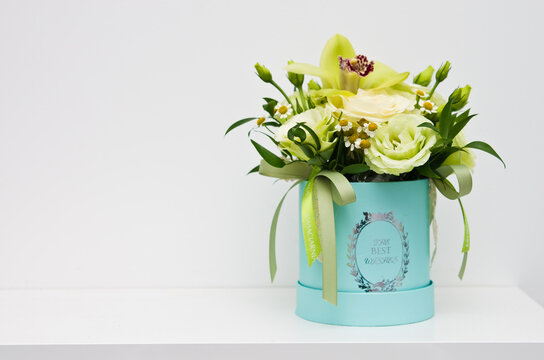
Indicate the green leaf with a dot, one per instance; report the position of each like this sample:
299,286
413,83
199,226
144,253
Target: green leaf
355,169
445,120
459,125
480,145
268,156
326,155
238,123
307,150
312,134
311,104
254,170
272,123
441,156
268,136
270,106
428,125
296,131
427,171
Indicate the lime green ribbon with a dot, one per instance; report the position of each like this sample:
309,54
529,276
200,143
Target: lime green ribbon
317,216
464,179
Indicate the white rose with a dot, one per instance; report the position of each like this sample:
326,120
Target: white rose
374,105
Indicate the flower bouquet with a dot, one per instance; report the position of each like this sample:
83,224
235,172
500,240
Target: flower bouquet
368,150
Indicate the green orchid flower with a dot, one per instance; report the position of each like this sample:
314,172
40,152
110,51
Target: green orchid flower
329,67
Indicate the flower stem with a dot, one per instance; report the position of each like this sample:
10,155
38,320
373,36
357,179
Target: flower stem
302,98
433,89
283,93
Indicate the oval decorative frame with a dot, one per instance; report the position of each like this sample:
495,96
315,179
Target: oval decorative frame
385,284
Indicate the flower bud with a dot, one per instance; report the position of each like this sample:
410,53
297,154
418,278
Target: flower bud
263,73
296,79
442,73
312,85
460,97
424,77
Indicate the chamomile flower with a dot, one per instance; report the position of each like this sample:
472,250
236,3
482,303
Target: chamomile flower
370,129
427,106
344,125
352,142
283,112
261,120
420,93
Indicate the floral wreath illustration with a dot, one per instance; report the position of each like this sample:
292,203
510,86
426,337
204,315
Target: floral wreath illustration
384,284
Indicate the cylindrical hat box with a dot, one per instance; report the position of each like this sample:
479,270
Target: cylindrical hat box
383,267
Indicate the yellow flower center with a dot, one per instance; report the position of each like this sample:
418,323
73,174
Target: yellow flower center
372,126
420,93
343,122
353,137
282,109
353,62
260,121
365,144
363,135
428,105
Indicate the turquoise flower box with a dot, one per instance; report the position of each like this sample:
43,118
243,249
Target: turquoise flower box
383,266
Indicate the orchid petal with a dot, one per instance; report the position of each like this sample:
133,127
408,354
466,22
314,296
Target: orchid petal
307,69
383,76
337,45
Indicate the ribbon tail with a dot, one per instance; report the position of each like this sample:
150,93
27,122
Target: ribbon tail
434,227
327,236
272,240
466,242
435,238
308,219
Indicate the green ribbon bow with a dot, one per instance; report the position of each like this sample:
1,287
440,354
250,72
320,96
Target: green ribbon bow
317,216
464,179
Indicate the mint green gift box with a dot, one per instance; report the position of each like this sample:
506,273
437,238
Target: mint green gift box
382,248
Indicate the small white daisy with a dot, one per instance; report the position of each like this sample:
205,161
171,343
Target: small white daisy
343,125
427,106
352,142
370,129
283,111
420,93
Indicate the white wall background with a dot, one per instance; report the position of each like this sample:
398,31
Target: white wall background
114,171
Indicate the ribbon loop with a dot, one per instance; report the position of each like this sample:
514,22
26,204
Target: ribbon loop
464,178
293,171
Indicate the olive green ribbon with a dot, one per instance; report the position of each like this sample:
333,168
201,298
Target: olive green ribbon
317,215
464,180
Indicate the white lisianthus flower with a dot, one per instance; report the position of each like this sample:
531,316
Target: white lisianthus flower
373,105
320,120
401,145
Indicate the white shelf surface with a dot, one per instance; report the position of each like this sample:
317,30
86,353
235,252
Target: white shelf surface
250,316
